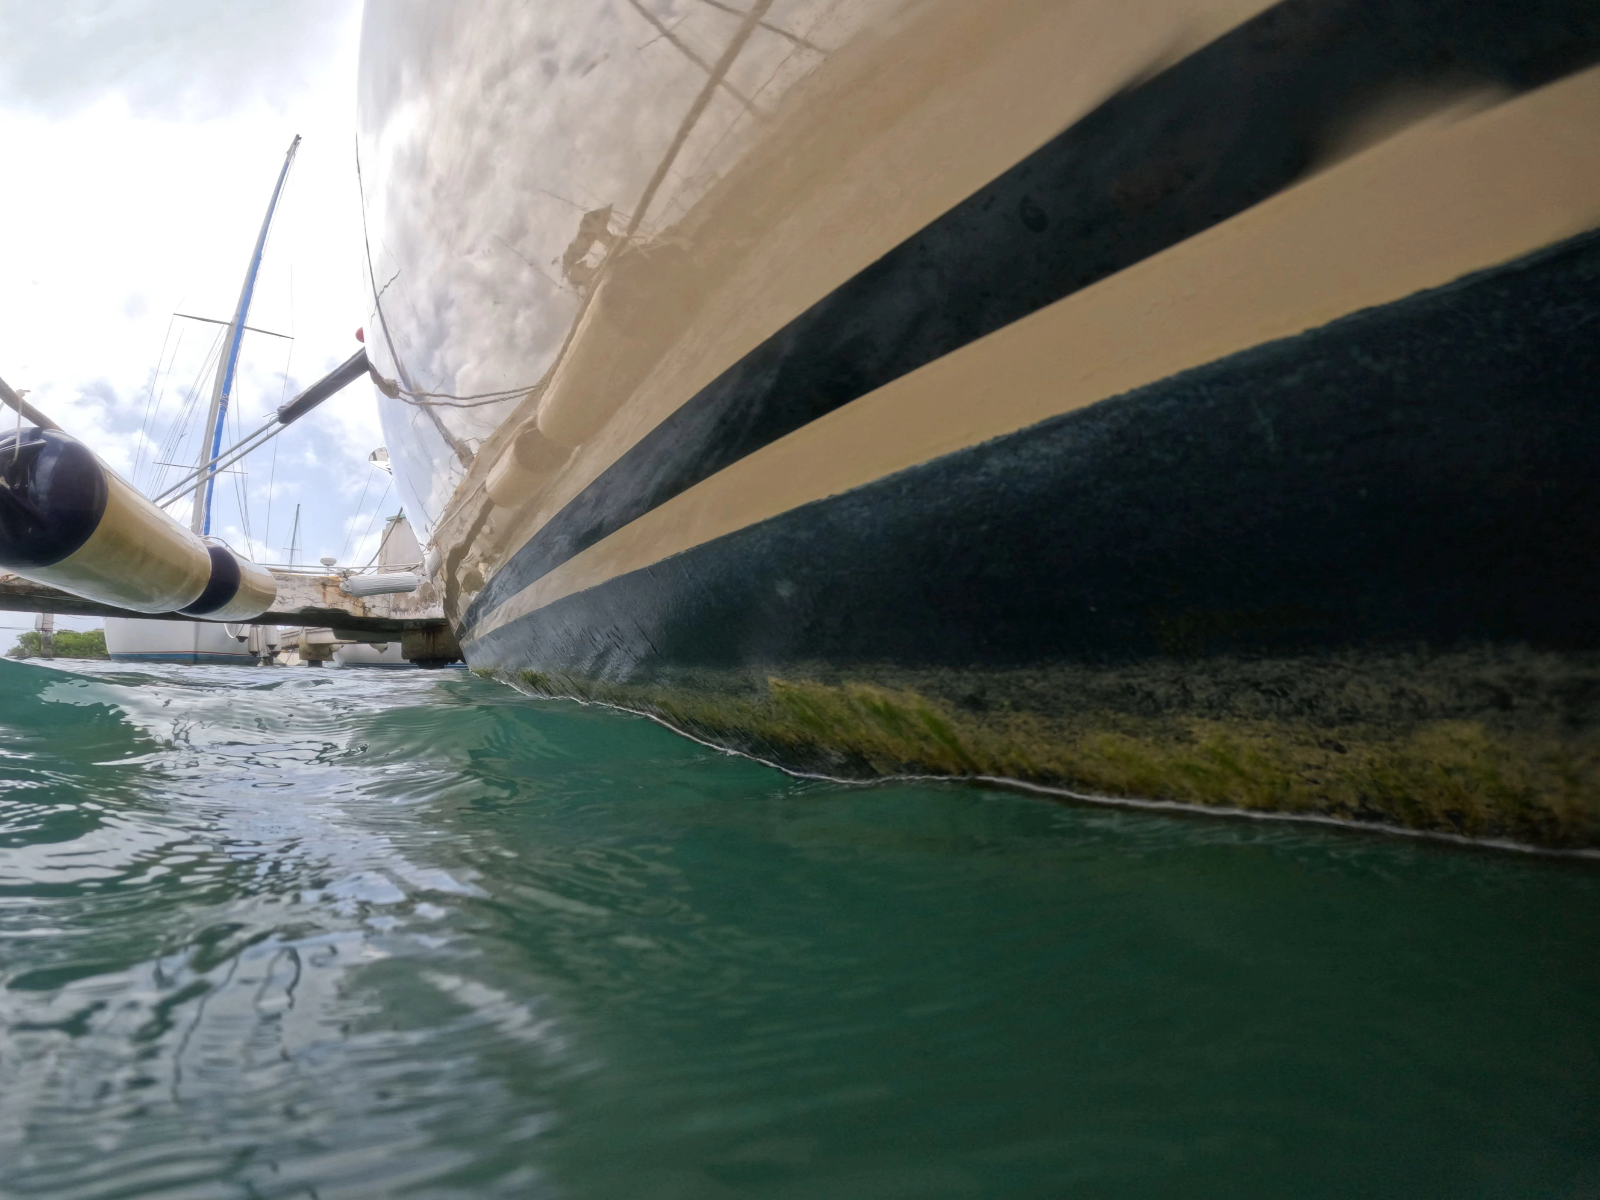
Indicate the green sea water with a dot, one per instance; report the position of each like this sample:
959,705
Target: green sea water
287,933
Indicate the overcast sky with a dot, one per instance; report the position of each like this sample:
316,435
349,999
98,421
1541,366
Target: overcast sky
141,142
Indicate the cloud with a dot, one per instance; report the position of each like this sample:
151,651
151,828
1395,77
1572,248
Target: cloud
141,197
189,59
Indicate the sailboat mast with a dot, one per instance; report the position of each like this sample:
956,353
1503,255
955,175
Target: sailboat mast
222,386
294,536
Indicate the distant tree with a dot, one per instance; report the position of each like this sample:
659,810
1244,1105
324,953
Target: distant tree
69,643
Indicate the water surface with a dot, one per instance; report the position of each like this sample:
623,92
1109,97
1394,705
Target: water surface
287,933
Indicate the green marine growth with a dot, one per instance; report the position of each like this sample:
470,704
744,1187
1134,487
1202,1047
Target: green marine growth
1487,745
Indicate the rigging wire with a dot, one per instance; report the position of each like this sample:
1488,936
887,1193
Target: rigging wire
225,459
229,377
359,504
166,456
283,393
272,474
183,430
161,396
383,541
164,449
149,400
177,435
241,479
235,414
457,446
240,448
377,508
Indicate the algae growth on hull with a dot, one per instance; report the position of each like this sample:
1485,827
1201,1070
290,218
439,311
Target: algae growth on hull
1494,743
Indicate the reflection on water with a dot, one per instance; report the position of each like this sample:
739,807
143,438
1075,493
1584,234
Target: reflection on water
290,933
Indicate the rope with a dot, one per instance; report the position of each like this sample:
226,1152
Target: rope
394,391
359,504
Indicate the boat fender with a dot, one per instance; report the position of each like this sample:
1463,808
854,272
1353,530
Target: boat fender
380,585
593,378
68,522
523,467
237,589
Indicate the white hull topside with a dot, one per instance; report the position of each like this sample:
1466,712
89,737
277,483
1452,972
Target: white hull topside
132,640
363,654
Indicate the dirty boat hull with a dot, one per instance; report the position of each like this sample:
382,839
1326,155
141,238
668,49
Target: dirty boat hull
1324,576
1242,459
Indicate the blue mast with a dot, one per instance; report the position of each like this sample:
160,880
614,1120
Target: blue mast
223,388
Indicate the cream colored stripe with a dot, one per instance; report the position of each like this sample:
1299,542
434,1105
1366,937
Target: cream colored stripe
1426,207
891,132
137,558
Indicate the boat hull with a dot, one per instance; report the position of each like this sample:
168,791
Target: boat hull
193,642
384,655
1231,446
1350,574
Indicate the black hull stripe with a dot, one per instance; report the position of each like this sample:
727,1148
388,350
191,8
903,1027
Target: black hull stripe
1420,473
1210,137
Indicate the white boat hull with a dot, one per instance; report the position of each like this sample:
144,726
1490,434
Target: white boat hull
131,640
363,654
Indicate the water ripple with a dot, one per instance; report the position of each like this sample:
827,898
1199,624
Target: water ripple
346,934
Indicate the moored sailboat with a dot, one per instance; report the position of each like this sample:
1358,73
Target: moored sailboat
130,639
